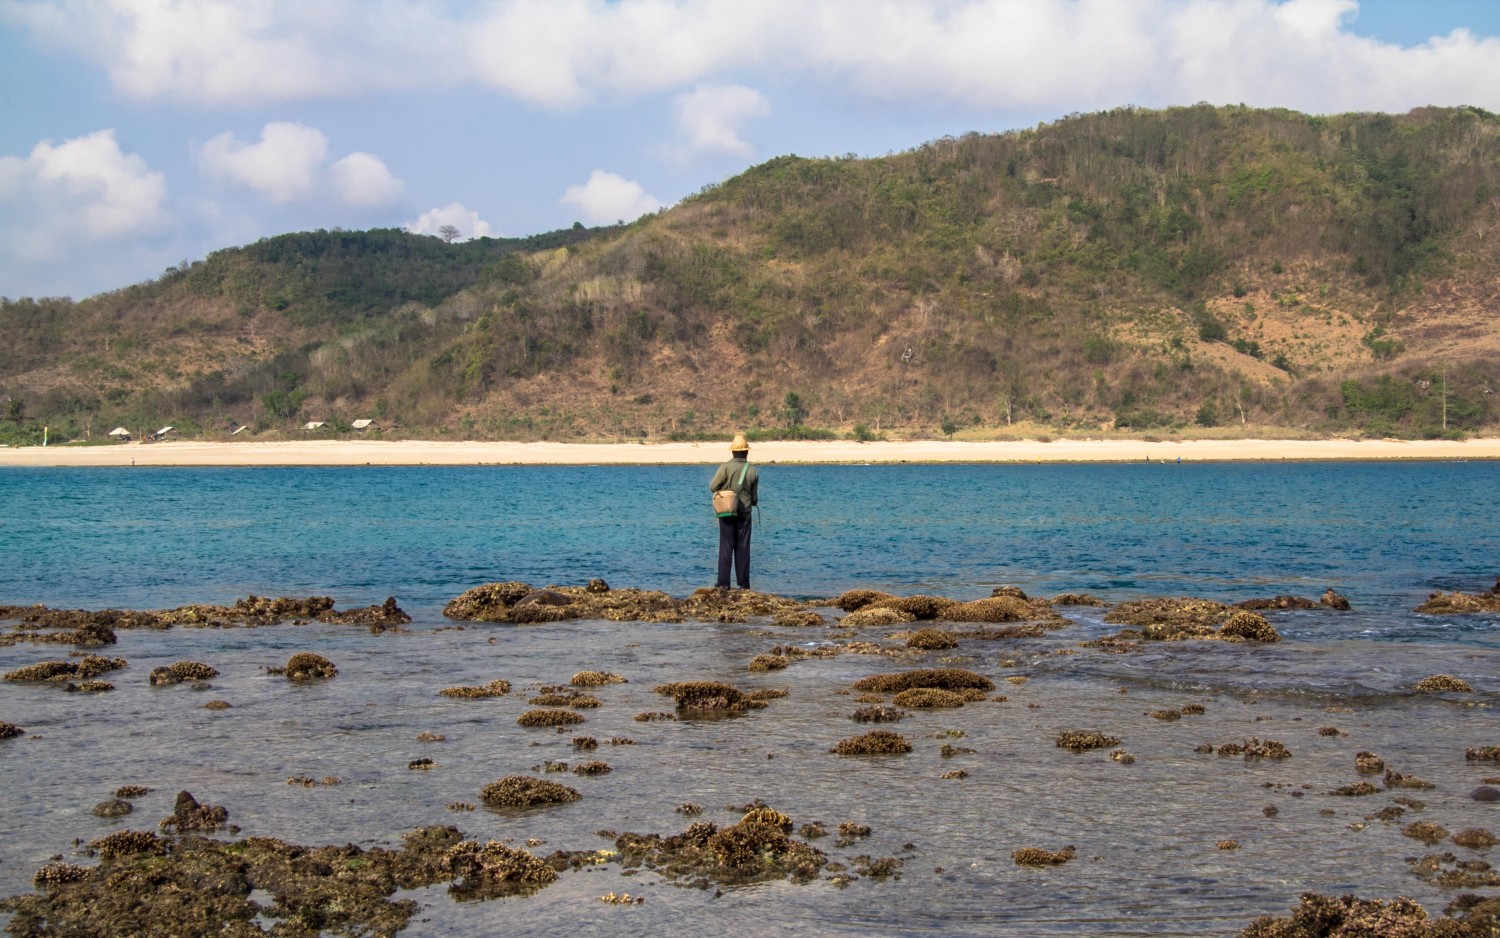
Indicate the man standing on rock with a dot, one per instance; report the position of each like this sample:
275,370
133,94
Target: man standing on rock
739,477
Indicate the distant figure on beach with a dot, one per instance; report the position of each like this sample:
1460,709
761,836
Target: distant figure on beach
738,476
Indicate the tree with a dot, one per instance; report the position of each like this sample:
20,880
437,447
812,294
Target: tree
15,410
449,233
793,409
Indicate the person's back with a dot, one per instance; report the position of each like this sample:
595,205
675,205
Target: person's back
739,476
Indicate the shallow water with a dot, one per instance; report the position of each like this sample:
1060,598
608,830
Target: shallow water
1146,833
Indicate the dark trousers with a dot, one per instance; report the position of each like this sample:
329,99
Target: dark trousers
734,543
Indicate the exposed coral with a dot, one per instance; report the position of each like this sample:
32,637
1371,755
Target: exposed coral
494,870
1269,749
523,791
495,688
58,874
1003,609
1177,619
1356,790
1278,602
1321,916
593,767
1483,754
114,807
1077,599
1427,832
1122,756
707,696
595,679
60,671
423,764
655,716
1442,682
128,843
1475,838
1333,600
10,730
875,742
181,671
767,663
768,693
306,666
1081,740
1165,715
877,715
90,687
919,607
132,791
753,850
857,599
1193,710
585,743
927,698
1449,872
549,718
941,678
804,619
1036,856
1394,779
876,616
1367,763
930,639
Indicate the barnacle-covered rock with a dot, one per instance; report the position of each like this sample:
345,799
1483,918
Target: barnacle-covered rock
10,730
805,618
918,607
767,663
879,714
494,870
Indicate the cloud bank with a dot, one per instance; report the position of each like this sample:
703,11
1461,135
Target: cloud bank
287,165
607,198
82,190
1013,54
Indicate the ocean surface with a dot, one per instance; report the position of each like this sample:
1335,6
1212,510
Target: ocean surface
1148,833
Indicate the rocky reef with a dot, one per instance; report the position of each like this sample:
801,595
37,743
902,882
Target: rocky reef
1439,683
1319,916
1169,619
88,666
522,604
306,666
496,688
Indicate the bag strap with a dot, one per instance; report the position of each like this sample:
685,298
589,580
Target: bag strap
738,485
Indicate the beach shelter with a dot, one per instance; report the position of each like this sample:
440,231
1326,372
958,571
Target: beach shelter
362,423
121,434
238,430
313,425
164,432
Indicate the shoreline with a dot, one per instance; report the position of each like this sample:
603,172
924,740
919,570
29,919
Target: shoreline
470,453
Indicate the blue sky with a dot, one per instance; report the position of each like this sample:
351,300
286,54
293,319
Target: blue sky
135,134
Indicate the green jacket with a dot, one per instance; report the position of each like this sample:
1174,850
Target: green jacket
727,476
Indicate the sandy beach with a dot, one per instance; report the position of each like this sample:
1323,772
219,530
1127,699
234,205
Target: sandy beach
468,453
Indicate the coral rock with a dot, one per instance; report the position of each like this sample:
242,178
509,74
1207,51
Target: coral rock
523,791
875,742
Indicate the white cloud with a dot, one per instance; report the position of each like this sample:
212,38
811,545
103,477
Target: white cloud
83,190
283,166
362,179
607,198
1016,54
468,223
710,117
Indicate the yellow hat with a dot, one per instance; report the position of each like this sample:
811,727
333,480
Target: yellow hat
739,444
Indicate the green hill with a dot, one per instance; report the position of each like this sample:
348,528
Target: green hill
1148,271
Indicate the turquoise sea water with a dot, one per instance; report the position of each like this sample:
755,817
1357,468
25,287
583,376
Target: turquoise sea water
1385,534
1148,833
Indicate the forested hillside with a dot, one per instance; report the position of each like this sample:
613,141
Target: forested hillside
1201,269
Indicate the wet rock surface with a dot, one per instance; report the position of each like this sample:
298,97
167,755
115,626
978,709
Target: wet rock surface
873,743
182,671
1319,916
1457,603
306,666
1181,619
523,791
89,666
